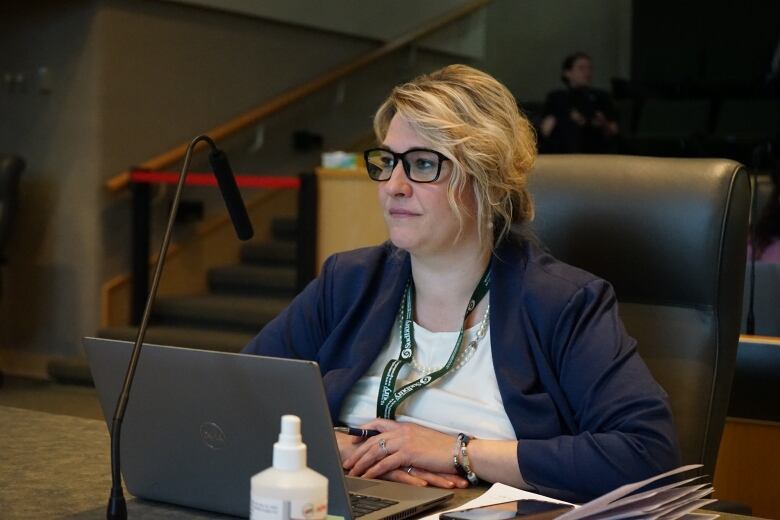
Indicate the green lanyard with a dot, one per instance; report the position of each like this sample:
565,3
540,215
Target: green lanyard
389,398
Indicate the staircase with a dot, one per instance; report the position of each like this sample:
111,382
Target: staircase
241,299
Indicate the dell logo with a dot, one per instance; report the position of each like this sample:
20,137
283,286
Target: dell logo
212,435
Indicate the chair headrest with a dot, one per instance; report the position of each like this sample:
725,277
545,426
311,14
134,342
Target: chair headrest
653,227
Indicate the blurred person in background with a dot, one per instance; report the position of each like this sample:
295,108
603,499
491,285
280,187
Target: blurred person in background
578,118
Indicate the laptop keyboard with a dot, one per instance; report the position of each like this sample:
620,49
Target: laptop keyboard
363,505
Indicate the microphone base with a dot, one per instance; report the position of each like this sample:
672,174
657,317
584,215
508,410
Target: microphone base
117,508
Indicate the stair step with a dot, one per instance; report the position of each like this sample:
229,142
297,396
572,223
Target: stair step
284,228
273,252
239,313
254,280
222,341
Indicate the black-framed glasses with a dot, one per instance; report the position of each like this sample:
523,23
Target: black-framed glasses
420,164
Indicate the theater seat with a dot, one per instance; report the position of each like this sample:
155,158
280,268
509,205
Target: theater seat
670,235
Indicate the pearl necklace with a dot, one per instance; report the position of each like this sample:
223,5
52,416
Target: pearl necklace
466,354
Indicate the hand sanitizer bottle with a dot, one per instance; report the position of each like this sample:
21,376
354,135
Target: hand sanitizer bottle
289,490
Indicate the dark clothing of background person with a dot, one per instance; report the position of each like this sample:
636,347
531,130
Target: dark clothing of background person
569,136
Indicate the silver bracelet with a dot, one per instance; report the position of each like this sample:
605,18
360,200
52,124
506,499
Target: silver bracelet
455,455
464,463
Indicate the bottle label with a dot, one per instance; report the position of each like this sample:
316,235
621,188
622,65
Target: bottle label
262,508
309,509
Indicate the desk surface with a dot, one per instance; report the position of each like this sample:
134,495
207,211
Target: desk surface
57,466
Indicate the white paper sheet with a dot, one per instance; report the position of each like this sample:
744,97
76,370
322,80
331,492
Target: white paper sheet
497,494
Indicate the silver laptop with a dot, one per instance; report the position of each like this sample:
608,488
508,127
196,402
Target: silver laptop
199,424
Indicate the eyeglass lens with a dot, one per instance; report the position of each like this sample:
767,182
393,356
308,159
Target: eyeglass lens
419,165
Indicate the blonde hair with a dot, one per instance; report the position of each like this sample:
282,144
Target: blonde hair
474,120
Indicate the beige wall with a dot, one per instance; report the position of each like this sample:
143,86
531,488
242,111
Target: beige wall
52,277
381,21
521,41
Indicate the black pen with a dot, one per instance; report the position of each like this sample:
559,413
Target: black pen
356,432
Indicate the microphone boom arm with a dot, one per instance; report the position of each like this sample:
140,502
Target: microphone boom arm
117,508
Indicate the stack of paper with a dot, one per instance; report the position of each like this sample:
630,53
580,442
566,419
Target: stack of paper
667,502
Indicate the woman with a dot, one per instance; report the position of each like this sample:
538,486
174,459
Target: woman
579,118
544,390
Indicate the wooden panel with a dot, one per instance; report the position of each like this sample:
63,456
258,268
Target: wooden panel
748,468
763,340
348,213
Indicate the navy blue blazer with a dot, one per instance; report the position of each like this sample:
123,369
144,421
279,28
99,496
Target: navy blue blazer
586,411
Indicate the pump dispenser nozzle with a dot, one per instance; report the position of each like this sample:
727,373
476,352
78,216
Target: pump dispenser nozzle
289,450
288,489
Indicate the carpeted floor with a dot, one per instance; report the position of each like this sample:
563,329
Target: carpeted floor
47,396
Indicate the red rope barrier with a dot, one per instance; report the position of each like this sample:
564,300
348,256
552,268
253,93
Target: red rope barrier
208,179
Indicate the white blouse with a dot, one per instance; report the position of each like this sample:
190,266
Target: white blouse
465,400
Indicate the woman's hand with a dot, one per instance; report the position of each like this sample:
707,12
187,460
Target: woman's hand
609,128
400,446
346,445
578,118
420,477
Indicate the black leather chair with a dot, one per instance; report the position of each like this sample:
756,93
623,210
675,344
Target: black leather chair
670,235
11,168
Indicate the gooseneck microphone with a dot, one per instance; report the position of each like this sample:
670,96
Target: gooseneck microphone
227,185
117,507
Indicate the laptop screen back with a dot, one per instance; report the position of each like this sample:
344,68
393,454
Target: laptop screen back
199,424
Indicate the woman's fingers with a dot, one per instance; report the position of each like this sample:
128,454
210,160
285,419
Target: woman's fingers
376,450
381,466
399,475
432,478
457,480
395,461
346,445
366,454
417,476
